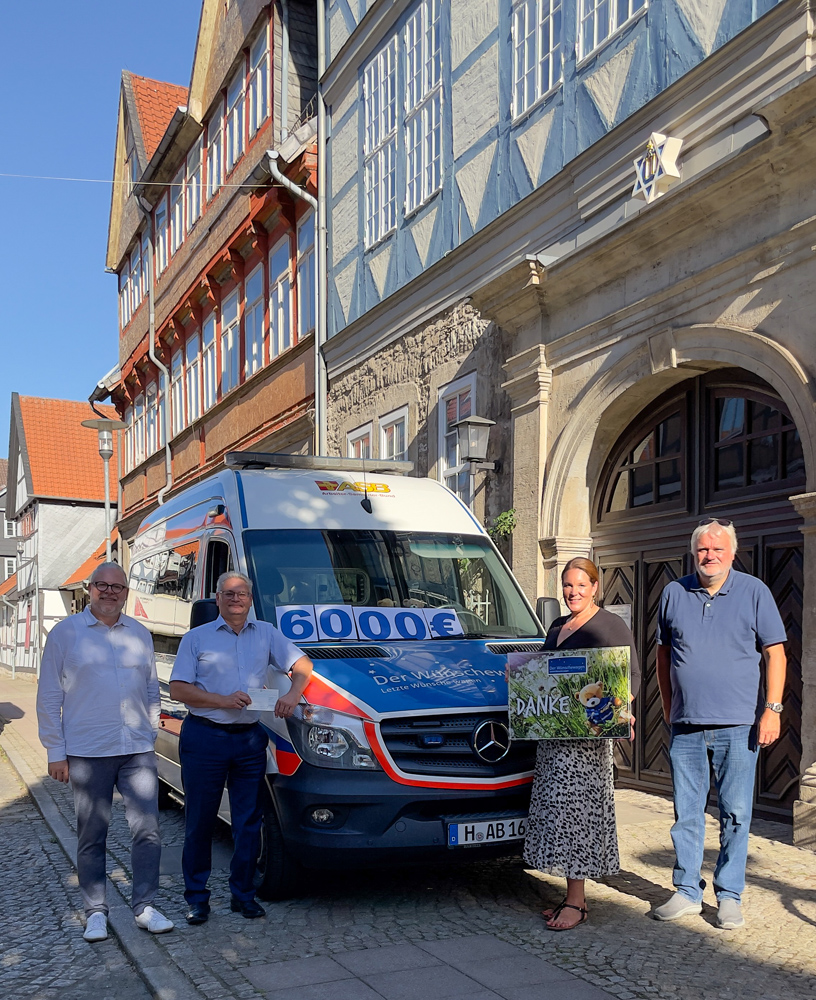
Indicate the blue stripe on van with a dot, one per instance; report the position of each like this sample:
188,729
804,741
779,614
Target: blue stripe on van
241,500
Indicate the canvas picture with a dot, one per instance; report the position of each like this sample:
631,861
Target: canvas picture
570,694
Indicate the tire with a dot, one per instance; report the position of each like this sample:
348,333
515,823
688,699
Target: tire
278,874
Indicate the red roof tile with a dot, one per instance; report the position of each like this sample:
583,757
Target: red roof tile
156,103
83,572
8,585
63,455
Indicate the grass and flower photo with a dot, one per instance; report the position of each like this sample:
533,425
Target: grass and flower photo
569,694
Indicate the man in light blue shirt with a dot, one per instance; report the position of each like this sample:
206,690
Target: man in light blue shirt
714,629
221,742
98,713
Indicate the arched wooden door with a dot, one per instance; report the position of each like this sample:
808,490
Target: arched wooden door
722,444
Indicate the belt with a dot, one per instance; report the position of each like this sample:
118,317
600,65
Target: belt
227,727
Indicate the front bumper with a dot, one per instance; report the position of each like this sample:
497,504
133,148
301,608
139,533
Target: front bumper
379,822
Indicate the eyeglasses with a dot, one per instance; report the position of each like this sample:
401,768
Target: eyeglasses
115,588
231,595
716,520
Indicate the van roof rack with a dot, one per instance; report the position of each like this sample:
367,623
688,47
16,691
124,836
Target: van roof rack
326,463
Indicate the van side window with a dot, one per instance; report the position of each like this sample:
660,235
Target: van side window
219,560
177,572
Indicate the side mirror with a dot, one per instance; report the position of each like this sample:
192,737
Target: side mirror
203,611
547,610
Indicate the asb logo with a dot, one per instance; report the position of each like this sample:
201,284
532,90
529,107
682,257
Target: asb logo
330,486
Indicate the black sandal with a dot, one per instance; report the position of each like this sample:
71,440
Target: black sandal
564,905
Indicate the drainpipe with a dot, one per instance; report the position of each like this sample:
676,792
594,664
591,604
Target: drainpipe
321,334
320,376
284,91
151,304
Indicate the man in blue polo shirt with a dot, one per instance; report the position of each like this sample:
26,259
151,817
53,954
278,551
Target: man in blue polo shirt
714,629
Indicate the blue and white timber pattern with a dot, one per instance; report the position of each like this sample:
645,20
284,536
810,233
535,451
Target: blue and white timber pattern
446,113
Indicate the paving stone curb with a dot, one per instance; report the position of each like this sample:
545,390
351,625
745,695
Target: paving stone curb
166,982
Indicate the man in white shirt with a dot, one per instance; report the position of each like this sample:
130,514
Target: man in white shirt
98,711
221,740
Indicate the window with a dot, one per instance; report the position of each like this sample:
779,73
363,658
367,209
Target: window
280,299
177,211
209,371
254,321
11,566
9,528
124,295
598,19
193,186
258,81
162,407
161,235
230,346
145,275
129,439
423,104
151,419
138,431
235,118
380,144
306,274
536,51
455,403
193,378
177,392
136,277
358,443
215,152
394,434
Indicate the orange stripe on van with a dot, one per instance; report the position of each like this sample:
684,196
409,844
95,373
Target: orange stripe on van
319,692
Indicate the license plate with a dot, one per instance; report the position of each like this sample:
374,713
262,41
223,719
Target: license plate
481,832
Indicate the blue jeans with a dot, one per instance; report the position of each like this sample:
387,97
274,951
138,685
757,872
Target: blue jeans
210,759
732,751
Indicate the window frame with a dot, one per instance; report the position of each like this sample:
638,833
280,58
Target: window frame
257,113
215,150
305,271
357,435
192,184
235,131
534,11
160,239
210,373
192,376
587,8
230,339
422,125
138,430
388,421
152,434
176,201
445,472
254,317
380,129
177,416
279,279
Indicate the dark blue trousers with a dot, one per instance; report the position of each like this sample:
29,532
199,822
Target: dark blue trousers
210,759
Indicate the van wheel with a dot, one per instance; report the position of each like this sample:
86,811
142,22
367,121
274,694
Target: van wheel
278,872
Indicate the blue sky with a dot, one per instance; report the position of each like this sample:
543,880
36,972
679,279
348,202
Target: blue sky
60,67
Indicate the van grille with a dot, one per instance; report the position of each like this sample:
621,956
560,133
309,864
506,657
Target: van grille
442,745
345,652
515,647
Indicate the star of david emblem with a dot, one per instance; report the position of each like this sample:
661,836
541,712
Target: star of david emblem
656,168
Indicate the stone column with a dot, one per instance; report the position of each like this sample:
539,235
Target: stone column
804,808
528,386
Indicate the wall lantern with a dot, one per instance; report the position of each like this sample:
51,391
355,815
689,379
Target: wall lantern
473,433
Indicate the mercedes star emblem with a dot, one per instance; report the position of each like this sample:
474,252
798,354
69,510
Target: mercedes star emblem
491,741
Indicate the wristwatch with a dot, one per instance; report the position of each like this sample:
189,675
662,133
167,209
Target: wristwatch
774,706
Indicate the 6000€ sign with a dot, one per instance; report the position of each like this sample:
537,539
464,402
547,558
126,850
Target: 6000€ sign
308,622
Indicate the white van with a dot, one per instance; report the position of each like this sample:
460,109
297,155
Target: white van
400,751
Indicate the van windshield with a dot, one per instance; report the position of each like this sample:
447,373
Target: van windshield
388,569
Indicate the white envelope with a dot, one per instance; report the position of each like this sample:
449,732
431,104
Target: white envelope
263,699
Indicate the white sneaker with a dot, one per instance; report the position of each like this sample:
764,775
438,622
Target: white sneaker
96,927
151,920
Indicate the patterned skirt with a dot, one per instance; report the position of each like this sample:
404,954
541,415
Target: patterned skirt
571,830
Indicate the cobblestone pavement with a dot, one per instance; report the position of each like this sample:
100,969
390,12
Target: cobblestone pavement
42,953
619,949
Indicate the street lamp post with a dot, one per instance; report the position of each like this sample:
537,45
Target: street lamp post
105,428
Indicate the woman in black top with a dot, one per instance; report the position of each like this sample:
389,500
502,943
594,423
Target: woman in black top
571,830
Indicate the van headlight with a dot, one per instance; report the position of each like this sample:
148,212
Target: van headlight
331,739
